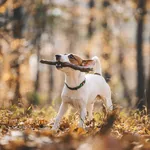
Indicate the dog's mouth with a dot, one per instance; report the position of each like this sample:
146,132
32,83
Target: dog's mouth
59,65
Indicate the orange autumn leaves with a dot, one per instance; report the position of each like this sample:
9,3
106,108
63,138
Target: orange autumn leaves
31,128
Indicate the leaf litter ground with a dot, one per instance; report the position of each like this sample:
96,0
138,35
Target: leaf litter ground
30,129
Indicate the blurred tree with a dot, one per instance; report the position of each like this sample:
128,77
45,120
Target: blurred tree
126,92
107,35
15,63
40,22
1,62
51,69
91,27
2,2
68,25
72,32
148,94
141,10
148,87
119,21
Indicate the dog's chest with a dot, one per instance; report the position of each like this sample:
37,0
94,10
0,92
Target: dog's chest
73,98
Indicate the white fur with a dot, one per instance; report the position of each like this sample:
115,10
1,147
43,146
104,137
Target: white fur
83,99
97,66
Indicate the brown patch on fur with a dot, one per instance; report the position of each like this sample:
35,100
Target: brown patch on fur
87,62
75,60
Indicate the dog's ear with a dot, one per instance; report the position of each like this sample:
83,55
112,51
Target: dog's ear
88,63
74,59
79,59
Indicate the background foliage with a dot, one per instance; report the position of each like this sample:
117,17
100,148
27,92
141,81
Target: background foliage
117,31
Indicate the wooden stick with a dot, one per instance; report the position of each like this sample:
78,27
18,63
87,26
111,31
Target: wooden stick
66,64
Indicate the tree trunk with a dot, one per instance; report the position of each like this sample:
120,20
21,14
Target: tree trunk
17,88
148,94
91,28
51,84
40,27
17,28
2,2
139,46
17,33
122,76
107,39
37,82
148,89
121,50
51,75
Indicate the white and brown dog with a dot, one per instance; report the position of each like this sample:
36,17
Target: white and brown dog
81,89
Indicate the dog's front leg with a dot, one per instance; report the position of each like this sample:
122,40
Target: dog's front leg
61,112
83,114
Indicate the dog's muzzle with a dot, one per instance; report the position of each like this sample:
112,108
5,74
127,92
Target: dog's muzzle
58,57
58,65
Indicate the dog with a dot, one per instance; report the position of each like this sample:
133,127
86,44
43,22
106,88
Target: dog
80,89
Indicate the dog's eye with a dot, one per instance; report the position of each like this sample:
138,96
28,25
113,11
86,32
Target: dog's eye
71,56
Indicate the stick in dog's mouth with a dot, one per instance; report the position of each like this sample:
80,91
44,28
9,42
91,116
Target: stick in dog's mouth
59,64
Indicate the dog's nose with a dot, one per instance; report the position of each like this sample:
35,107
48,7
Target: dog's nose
58,57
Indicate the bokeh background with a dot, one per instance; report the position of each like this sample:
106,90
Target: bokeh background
117,31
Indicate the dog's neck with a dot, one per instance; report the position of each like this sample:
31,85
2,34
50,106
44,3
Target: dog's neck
74,78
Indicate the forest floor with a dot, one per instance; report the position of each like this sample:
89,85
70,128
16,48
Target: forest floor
30,129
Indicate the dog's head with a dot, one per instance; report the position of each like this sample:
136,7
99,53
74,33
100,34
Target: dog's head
74,59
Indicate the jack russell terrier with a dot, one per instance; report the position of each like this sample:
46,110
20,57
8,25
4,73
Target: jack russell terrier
81,89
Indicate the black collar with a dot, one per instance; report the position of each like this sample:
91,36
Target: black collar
77,87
